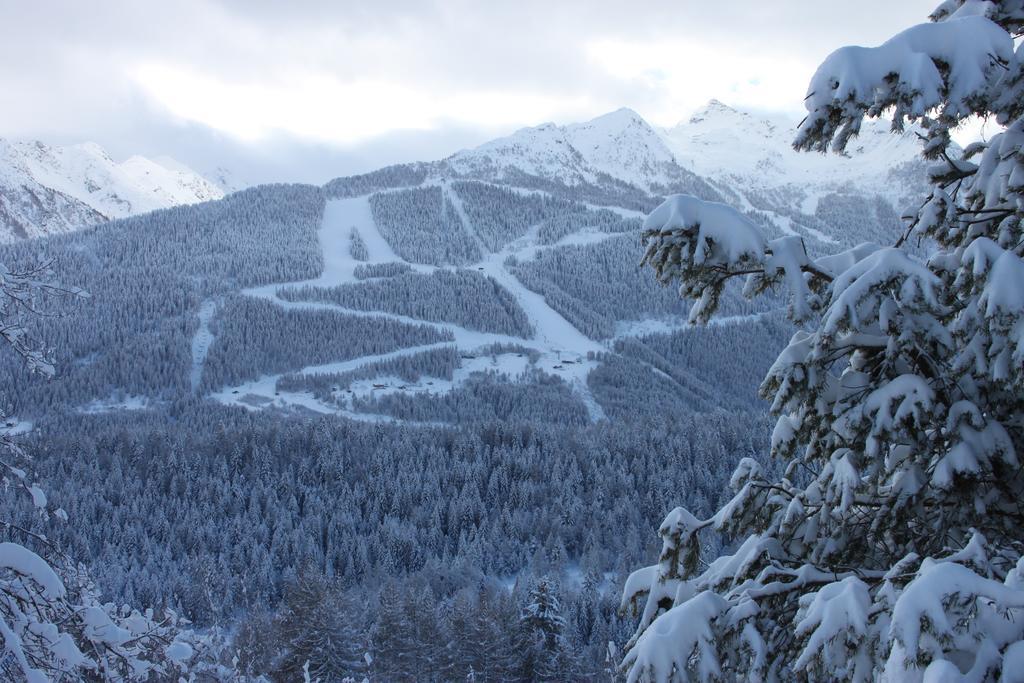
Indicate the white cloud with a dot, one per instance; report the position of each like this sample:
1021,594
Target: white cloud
320,107
680,76
399,79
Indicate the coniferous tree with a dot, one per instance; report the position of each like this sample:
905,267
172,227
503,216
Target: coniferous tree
394,643
543,649
319,628
891,547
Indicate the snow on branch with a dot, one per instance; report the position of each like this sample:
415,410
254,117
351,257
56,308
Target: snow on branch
889,274
835,615
703,244
945,64
24,562
683,633
898,404
922,608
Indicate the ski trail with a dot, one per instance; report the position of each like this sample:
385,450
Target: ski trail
201,341
551,330
594,409
335,234
553,333
340,216
266,385
467,226
563,348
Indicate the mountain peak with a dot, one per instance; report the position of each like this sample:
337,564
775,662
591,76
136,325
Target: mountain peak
714,109
620,144
613,123
621,116
90,148
80,184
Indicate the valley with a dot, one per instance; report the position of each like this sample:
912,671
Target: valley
453,372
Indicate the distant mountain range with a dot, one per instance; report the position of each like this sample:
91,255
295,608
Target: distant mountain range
523,250
726,147
52,189
743,156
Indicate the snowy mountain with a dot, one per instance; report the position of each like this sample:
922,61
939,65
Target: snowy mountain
384,297
742,149
741,154
50,189
619,144
518,257
226,179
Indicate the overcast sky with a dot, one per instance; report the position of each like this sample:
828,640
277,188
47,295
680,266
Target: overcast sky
309,90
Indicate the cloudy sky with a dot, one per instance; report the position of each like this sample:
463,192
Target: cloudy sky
309,90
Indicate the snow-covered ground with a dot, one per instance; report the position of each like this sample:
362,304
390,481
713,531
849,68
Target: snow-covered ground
116,403
201,341
13,426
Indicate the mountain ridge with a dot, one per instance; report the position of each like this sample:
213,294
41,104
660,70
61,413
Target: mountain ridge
720,144
47,189
719,152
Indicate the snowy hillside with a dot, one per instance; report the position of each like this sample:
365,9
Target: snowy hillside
731,148
407,291
741,149
619,144
50,189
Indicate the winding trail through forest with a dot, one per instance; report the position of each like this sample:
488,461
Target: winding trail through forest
554,338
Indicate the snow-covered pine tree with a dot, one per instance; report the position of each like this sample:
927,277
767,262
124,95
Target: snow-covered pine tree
397,645
320,631
891,548
480,631
543,649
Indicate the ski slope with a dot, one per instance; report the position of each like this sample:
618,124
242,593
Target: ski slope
560,348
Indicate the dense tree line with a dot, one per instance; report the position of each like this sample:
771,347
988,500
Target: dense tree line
691,370
357,247
464,297
855,218
218,517
539,398
366,271
147,277
597,286
387,178
740,351
548,626
500,215
626,388
422,226
255,337
602,220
